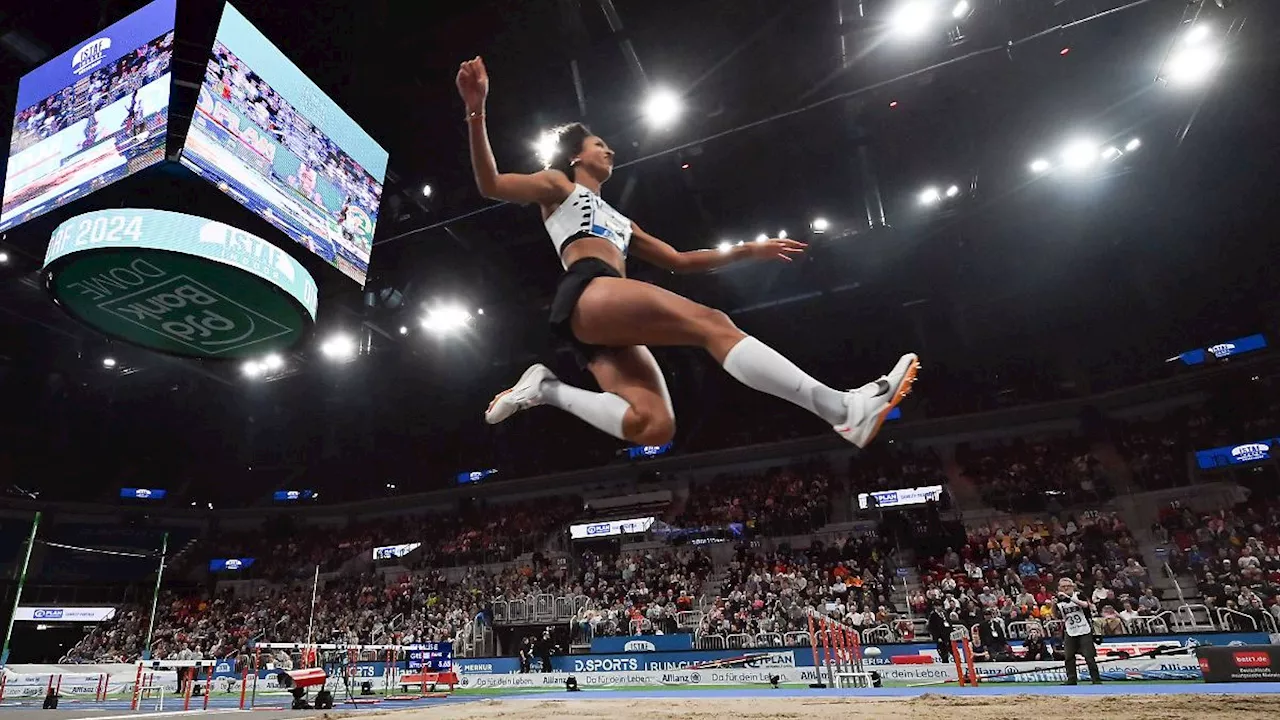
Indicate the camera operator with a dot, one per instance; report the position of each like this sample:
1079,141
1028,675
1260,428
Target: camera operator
1076,613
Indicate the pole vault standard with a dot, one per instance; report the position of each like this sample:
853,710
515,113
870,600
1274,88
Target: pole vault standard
17,595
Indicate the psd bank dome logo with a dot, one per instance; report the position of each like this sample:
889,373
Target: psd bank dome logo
234,564
639,646
90,55
1222,349
1250,452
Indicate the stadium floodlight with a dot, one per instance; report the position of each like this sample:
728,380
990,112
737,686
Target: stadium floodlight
252,368
272,362
4,258
404,330
339,347
953,191
1191,65
108,362
961,10
1132,145
1111,153
1040,165
929,196
662,108
762,238
545,146
724,247
912,18
427,190
782,234
819,225
1080,154
446,319
1197,34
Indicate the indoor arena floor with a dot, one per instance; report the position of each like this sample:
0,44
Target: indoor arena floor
991,702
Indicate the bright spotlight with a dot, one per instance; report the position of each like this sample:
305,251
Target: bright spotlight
662,108
1040,165
953,191
339,347
4,258
1111,153
820,225
426,191
546,146
1079,154
1191,65
930,196
404,330
252,369
762,238
913,18
1197,34
108,362
961,10
782,234
1132,145
272,362
446,319
725,246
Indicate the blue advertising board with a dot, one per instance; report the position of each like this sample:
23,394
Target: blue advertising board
142,493
645,643
1242,454
1249,343
229,564
803,656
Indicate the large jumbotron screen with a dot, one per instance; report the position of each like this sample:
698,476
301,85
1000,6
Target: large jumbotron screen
267,136
91,116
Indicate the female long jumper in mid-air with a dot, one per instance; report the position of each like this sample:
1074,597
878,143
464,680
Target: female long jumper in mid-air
608,319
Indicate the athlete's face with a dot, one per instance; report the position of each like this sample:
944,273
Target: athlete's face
596,158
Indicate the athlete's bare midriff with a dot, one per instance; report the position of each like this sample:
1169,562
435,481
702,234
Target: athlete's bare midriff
590,247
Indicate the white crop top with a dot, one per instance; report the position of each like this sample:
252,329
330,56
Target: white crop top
586,213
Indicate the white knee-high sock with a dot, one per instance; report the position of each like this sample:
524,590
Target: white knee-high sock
760,367
600,410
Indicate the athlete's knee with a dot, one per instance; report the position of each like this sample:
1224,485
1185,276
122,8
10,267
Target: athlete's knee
654,427
714,323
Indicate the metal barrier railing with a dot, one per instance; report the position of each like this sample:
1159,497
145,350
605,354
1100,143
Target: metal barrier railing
795,639
710,642
1021,629
1185,615
688,619
1053,628
1227,615
501,611
877,634
764,640
544,608
564,608
737,641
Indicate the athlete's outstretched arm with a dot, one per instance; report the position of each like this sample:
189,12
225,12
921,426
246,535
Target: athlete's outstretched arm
547,187
656,252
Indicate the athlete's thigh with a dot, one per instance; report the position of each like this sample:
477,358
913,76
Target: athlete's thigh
633,374
618,312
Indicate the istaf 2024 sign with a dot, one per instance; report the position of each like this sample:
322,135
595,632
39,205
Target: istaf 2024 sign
179,284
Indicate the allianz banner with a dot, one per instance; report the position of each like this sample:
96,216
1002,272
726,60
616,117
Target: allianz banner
643,643
1240,663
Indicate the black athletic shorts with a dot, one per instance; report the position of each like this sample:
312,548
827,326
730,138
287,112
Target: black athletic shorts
572,283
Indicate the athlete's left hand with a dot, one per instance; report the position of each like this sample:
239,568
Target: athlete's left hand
775,249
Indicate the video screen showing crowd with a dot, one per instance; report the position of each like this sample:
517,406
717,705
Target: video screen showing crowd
104,127
339,198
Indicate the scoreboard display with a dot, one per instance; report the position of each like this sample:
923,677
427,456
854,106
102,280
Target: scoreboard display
431,657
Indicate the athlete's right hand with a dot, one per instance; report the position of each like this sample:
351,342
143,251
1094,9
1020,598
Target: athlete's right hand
473,84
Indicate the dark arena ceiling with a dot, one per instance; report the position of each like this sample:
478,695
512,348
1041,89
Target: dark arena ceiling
1014,287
